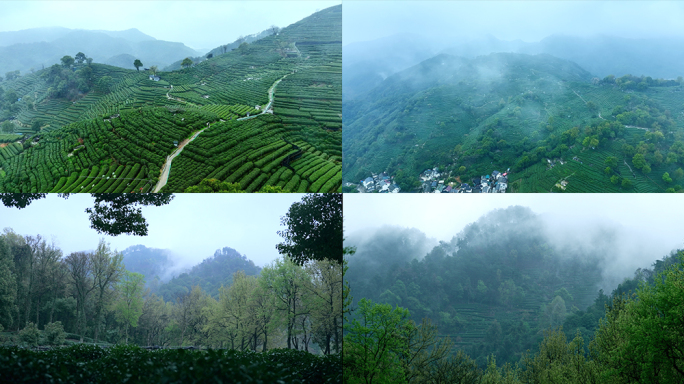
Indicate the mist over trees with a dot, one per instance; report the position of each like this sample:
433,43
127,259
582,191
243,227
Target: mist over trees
506,302
496,286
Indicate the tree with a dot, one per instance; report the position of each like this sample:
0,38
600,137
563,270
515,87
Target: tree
641,339
137,64
7,126
79,267
373,345
667,178
626,183
210,55
314,229
67,61
80,57
113,213
35,126
274,30
130,302
326,295
286,281
186,63
154,69
8,285
107,266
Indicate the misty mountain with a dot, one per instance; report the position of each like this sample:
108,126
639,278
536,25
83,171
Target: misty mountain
153,263
496,285
367,63
210,274
43,47
220,50
425,111
547,120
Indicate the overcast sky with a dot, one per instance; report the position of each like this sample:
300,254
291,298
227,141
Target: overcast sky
649,225
197,24
193,226
529,21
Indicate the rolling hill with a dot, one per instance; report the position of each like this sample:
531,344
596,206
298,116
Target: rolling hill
267,113
547,119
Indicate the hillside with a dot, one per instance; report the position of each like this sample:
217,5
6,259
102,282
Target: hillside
105,129
546,119
154,264
210,274
492,288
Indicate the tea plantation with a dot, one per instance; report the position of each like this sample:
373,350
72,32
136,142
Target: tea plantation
131,364
270,113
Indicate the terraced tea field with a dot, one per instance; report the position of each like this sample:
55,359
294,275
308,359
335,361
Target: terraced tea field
117,137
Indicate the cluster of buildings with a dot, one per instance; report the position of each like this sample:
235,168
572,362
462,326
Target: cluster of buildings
497,182
381,183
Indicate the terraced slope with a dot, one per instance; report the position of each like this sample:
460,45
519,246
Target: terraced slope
129,121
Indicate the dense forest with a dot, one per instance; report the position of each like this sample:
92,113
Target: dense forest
499,304
554,125
91,296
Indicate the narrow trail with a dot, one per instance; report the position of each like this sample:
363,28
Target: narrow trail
166,168
271,91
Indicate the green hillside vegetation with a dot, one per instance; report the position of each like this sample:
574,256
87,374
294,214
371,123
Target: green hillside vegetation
546,119
210,275
635,337
84,123
492,289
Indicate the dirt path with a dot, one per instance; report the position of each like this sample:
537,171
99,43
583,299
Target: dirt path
271,91
166,169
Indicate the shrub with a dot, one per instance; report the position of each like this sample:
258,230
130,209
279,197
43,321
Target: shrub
54,333
30,334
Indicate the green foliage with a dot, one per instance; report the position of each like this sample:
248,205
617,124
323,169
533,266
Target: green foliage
30,334
314,229
92,364
54,333
373,346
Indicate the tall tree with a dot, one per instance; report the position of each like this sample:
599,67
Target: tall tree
130,301
286,280
80,271
187,62
326,296
67,61
47,262
8,285
314,229
137,64
80,57
107,266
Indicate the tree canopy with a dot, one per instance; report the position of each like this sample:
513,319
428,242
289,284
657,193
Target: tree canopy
314,229
113,214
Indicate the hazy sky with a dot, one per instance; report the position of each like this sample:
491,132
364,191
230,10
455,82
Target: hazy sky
650,225
197,24
193,226
509,20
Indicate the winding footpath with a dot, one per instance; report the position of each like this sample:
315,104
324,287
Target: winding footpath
166,168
